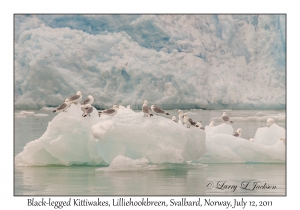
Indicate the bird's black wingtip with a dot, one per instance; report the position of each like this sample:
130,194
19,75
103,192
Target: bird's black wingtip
151,115
231,122
167,114
54,111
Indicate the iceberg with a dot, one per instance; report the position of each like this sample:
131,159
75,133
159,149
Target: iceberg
269,135
72,139
223,147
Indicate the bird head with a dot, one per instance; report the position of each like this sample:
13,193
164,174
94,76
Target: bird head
270,121
224,114
239,130
78,93
91,97
115,106
173,118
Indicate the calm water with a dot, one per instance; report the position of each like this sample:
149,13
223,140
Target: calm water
177,179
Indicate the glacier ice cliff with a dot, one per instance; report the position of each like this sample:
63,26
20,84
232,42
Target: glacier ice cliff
177,61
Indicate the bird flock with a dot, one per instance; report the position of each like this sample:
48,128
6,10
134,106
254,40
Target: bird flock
183,118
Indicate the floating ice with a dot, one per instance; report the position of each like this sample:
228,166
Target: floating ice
223,147
269,135
73,139
256,118
50,109
41,115
121,163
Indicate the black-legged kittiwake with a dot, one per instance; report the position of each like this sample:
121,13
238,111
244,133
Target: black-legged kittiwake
174,119
110,112
156,109
188,121
270,122
283,140
180,116
63,106
88,109
146,109
89,100
76,98
238,132
225,118
198,124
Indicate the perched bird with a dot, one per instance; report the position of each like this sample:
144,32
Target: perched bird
211,124
110,112
188,121
283,140
180,116
156,109
251,139
270,122
238,132
89,100
174,119
198,124
88,109
146,109
225,118
76,98
63,106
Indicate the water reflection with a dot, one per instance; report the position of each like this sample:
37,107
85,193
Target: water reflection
85,180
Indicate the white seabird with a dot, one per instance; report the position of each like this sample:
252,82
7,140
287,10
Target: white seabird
198,124
188,121
88,109
76,98
211,124
270,122
156,109
238,132
283,140
110,112
225,118
146,109
180,116
89,100
63,106
174,119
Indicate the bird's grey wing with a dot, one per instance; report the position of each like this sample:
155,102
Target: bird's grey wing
109,111
62,106
236,134
86,101
74,97
157,109
225,118
83,108
146,109
89,110
191,121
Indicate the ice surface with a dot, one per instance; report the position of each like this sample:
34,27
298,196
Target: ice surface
41,115
121,163
269,135
177,61
223,147
73,139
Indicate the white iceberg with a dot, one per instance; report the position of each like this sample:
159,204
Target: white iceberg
269,135
223,147
73,139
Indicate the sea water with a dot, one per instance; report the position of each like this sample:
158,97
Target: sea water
167,179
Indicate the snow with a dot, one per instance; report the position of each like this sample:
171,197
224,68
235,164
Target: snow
177,61
72,139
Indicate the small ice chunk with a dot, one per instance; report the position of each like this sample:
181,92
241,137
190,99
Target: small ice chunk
269,135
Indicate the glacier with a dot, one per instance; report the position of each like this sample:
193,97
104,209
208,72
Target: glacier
129,141
177,61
